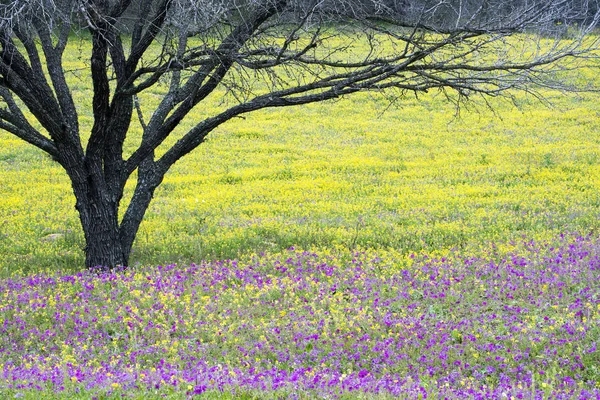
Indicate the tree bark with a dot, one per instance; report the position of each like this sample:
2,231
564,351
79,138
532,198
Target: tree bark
98,213
148,180
108,240
103,249
99,219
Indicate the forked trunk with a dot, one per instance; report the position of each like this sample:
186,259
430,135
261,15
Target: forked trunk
108,241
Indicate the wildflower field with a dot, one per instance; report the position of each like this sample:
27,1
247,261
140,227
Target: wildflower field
520,324
348,249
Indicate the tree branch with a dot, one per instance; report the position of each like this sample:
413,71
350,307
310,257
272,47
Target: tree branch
30,86
140,43
53,56
100,101
196,89
17,124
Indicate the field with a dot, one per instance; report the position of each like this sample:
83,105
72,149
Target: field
308,325
347,174
340,249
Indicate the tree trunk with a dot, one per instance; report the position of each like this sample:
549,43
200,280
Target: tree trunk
148,180
99,221
104,251
108,242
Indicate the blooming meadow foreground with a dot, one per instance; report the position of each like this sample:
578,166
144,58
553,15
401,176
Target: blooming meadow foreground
522,321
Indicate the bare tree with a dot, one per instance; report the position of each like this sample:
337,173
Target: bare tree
266,53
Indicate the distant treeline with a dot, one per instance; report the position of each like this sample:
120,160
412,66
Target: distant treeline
436,14
473,12
432,13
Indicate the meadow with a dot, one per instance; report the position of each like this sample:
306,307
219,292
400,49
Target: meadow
522,324
353,173
342,249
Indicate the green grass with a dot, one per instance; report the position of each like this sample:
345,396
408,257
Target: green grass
351,173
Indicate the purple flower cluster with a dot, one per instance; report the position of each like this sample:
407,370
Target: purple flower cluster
523,323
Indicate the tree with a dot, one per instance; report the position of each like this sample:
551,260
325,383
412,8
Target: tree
267,53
